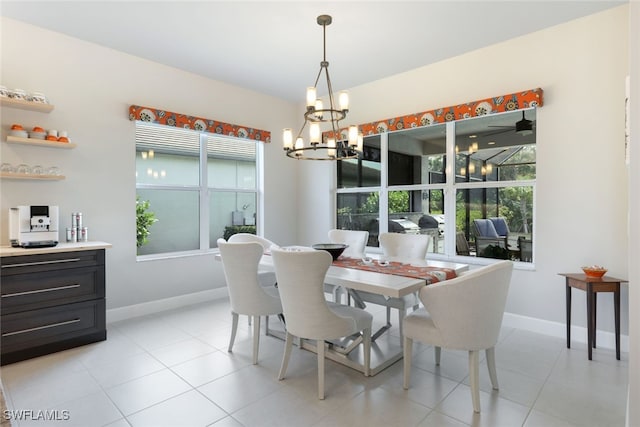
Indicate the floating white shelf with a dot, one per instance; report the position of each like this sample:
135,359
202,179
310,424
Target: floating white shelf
26,105
39,142
6,175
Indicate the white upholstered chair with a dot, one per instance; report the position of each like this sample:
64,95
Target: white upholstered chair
240,262
464,313
357,243
309,315
404,247
267,278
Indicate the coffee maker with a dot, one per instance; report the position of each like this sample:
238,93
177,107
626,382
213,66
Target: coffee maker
33,226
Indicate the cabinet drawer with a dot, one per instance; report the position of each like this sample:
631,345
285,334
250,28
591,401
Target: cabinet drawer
29,291
14,265
30,333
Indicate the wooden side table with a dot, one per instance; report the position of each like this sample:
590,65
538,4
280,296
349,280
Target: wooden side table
593,285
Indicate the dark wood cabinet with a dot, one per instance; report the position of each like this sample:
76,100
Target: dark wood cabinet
51,302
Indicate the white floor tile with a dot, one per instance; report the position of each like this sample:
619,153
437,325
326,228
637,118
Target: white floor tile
187,409
124,381
144,392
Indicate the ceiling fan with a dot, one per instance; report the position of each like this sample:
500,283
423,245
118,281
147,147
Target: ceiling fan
522,127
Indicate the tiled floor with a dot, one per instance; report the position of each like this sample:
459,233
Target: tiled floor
173,369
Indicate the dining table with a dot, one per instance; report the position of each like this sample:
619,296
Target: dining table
393,278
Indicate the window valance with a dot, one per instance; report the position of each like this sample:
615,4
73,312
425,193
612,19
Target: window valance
168,118
513,101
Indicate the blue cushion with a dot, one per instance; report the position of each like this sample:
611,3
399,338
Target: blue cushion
485,228
500,225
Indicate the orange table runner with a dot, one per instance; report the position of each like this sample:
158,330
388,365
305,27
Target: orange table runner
430,274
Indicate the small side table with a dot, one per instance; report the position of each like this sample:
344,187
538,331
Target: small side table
593,285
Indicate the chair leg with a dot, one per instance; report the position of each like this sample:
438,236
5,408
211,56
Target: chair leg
474,379
234,329
320,349
366,339
388,316
491,364
256,338
401,315
406,357
288,345
438,351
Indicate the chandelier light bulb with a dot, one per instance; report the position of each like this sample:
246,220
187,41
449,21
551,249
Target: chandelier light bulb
472,168
299,143
353,136
331,143
151,154
343,100
314,133
319,107
287,138
311,96
144,155
489,168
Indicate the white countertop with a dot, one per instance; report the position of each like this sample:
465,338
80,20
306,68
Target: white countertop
60,247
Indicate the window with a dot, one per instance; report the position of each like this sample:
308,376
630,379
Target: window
440,179
200,186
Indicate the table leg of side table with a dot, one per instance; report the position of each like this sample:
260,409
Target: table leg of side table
568,301
616,307
590,318
595,311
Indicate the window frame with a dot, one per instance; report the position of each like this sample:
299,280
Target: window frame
450,188
204,188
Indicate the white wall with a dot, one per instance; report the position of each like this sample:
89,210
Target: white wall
92,88
633,410
581,198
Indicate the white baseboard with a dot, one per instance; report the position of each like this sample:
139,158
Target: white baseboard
556,329
136,310
546,327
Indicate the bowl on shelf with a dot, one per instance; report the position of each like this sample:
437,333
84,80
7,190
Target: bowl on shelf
19,133
335,249
594,271
37,135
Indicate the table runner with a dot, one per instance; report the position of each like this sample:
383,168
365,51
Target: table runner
430,274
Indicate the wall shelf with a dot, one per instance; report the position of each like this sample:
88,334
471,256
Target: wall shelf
26,105
39,142
29,176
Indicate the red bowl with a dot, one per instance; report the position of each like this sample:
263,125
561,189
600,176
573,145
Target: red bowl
594,272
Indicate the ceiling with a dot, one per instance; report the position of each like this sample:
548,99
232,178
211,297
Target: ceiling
276,47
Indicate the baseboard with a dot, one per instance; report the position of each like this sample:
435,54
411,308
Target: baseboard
136,310
556,329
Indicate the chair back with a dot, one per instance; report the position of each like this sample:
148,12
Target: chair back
248,237
485,228
301,277
501,226
401,245
240,262
357,241
462,245
468,310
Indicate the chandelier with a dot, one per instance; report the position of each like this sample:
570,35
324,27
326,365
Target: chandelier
332,144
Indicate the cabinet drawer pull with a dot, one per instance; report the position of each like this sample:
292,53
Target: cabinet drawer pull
39,291
53,325
55,261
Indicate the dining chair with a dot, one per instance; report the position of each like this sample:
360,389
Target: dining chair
309,315
357,243
240,263
405,247
267,278
464,313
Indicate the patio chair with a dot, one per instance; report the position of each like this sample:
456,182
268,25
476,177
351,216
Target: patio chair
486,235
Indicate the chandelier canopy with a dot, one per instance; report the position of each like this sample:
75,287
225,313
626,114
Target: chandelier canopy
331,144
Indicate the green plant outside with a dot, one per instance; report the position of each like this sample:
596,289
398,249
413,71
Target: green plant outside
144,220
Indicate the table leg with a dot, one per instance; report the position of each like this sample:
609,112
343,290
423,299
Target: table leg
568,301
616,307
595,313
590,320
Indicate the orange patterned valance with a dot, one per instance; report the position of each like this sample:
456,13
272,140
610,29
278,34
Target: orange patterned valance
513,101
154,115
